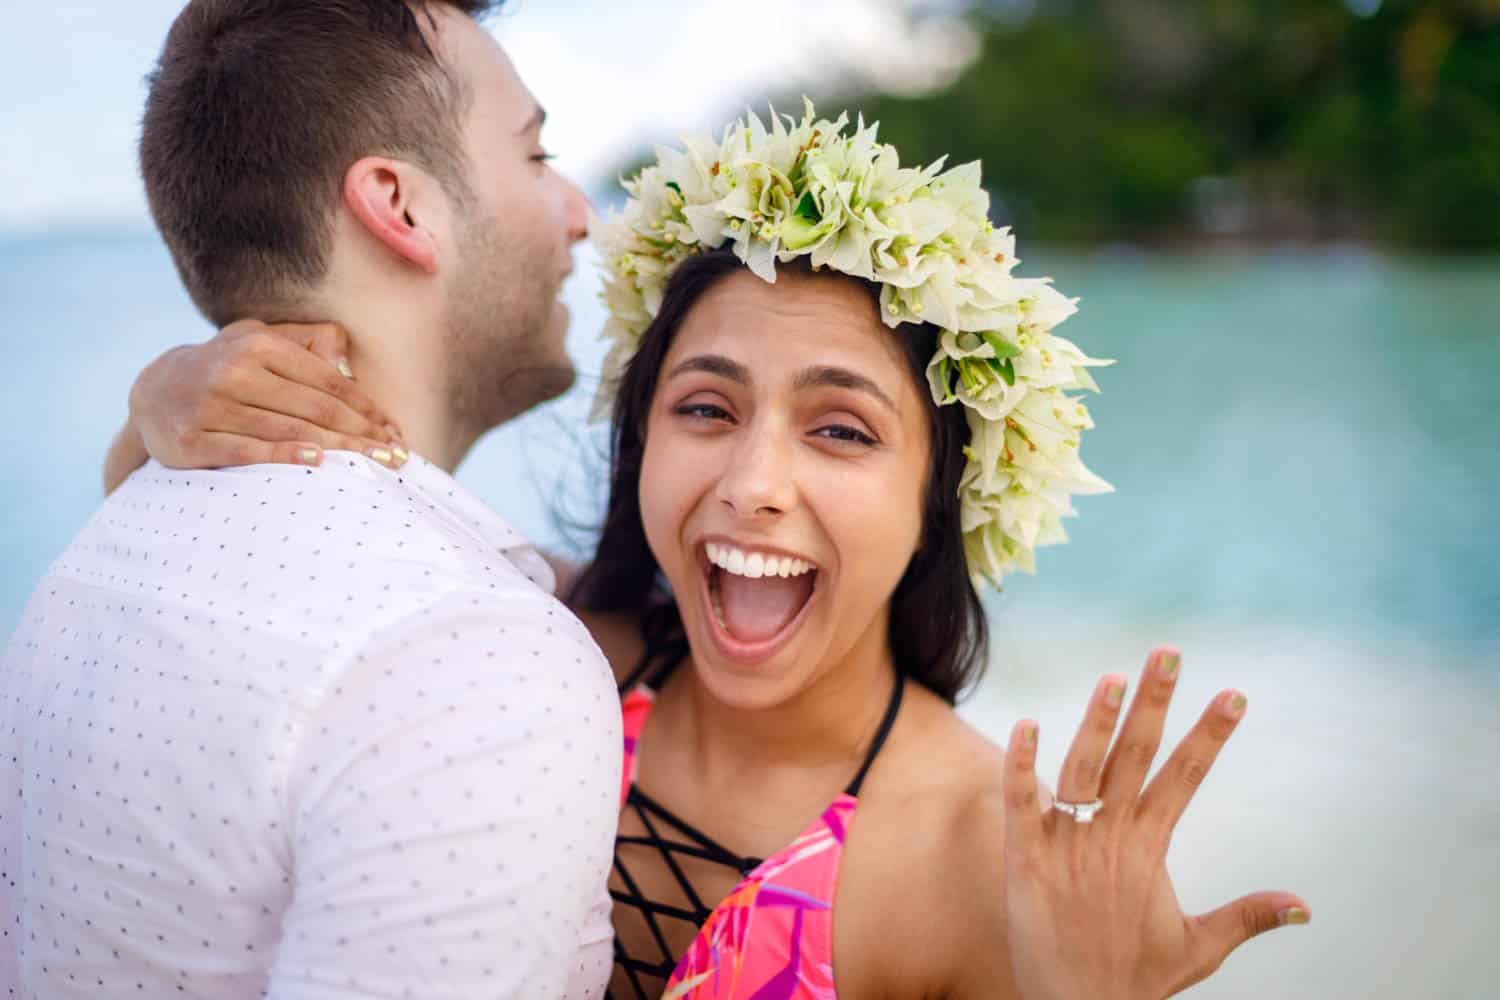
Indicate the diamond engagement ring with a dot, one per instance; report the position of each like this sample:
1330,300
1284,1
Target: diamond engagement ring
1082,812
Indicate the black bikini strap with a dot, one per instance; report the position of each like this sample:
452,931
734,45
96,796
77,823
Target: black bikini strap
880,736
663,658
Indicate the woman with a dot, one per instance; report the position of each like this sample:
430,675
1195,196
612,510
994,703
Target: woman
785,585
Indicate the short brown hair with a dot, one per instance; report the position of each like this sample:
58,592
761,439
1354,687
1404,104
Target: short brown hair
258,107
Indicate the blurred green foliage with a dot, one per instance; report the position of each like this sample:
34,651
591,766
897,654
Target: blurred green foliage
1156,121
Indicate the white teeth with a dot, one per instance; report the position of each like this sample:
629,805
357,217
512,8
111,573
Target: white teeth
755,565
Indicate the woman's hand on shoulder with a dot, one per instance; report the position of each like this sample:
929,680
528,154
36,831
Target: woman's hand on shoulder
259,393
1087,907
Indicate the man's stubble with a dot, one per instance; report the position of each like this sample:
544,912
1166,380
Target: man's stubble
505,354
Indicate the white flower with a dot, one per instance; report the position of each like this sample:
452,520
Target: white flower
812,188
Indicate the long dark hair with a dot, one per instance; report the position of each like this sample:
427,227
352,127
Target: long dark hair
938,634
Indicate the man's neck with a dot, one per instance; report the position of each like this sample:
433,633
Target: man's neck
396,354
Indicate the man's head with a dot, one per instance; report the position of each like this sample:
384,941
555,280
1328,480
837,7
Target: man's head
283,138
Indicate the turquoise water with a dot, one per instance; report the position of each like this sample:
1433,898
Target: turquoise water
1299,438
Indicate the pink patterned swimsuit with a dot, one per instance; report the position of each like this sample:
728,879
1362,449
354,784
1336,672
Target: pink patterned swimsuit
772,937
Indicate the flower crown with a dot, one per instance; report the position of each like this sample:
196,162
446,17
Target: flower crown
805,189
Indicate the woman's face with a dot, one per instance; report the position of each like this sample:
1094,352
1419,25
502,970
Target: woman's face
787,434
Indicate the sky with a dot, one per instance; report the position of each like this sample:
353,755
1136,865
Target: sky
612,76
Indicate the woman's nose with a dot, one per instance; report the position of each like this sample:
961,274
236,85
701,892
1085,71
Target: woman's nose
758,479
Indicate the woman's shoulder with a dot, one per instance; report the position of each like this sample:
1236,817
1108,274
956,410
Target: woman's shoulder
925,860
935,759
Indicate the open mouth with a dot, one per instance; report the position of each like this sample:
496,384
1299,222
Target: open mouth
757,599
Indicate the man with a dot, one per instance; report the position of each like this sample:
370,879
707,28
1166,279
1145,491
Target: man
324,732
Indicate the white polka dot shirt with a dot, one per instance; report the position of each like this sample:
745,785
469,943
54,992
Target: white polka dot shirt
305,734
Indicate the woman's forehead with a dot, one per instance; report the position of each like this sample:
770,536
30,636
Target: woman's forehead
801,320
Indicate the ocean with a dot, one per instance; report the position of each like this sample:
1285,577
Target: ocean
1306,449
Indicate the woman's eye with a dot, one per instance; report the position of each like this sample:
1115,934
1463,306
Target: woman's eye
543,158
843,432
702,411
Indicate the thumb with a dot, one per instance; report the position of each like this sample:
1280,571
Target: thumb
1221,931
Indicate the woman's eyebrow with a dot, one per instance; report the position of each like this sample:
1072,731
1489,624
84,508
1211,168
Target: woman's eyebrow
714,364
829,376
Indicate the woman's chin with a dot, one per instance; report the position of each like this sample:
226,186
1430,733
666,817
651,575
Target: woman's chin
746,690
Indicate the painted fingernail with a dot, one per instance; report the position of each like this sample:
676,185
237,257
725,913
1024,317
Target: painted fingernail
1114,695
344,368
1168,664
1293,915
381,455
401,455
1028,734
309,456
1235,704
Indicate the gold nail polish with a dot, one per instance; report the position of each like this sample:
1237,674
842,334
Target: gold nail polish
1168,665
344,368
1114,695
1237,703
1028,735
381,455
402,456
307,456
1293,915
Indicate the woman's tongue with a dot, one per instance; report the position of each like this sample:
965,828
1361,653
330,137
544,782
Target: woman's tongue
757,610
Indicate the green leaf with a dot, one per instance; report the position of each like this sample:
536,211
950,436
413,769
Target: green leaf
807,208
1003,348
1006,369
674,186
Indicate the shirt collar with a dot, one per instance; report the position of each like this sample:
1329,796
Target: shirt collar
443,490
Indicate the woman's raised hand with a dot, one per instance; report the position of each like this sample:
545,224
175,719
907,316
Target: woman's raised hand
257,393
1090,908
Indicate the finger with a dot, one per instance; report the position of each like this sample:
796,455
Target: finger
243,328
217,450
1130,761
288,360
270,390
328,341
265,425
1023,815
1172,789
1214,936
1084,766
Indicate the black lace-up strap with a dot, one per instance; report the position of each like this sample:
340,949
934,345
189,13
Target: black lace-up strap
663,830
893,707
673,838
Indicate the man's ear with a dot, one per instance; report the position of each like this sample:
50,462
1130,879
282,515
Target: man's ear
394,202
